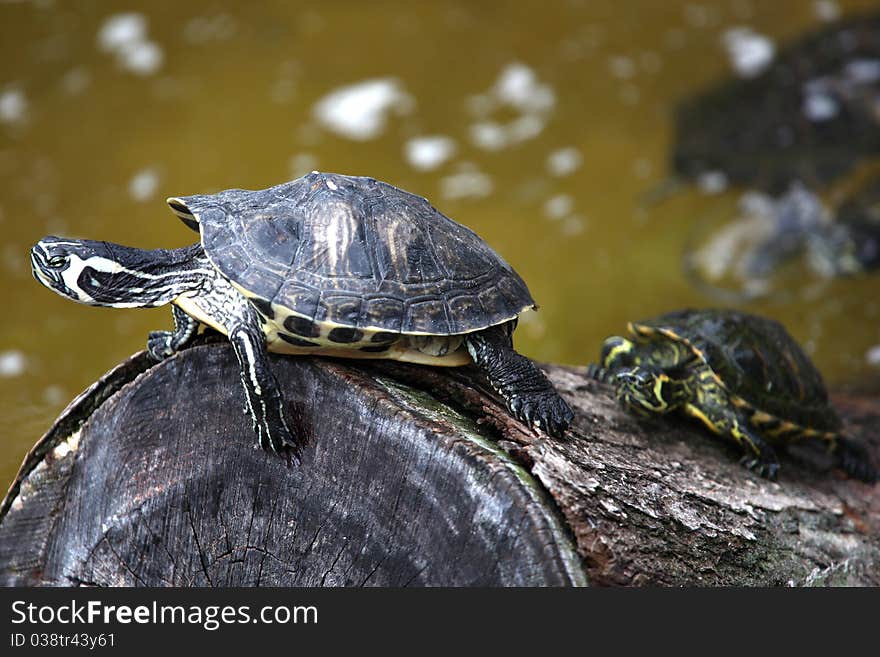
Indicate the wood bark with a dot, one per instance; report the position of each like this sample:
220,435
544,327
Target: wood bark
414,476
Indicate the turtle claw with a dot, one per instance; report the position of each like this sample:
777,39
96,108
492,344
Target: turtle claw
765,468
159,344
853,459
547,412
279,440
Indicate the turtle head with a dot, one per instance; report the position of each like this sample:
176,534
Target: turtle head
647,391
105,274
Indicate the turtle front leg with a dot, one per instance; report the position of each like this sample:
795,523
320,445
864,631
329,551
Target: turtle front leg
162,344
264,401
529,396
759,456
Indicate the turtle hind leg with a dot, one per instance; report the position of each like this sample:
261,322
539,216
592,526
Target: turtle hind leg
852,457
529,396
162,344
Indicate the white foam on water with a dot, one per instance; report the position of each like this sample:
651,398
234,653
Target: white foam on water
13,106
143,185
517,88
466,182
121,30
527,126
621,67
712,182
820,107
750,53
143,58
564,161
826,10
558,206
204,29
76,80
125,36
360,111
489,135
12,363
429,152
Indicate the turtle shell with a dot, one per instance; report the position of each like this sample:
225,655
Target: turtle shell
754,358
329,249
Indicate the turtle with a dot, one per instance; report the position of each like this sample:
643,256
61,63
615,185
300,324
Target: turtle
811,115
328,265
742,375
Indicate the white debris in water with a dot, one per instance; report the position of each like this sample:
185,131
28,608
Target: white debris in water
489,135
820,107
701,16
12,363
360,111
302,163
429,152
826,10
13,106
481,105
121,30
559,206
650,61
142,58
862,71
564,161
466,182
873,355
203,29
712,182
125,36
518,87
54,395
526,127
621,67
573,225
143,185
76,80
750,53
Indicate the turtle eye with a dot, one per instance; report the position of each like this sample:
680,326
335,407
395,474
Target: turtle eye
56,262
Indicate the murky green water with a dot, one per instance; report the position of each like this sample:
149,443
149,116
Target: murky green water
556,118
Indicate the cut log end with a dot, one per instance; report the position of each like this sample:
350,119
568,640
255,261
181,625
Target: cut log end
414,476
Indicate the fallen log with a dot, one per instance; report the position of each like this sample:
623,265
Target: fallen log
413,476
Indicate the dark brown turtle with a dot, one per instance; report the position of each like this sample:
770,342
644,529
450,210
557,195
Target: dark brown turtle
327,265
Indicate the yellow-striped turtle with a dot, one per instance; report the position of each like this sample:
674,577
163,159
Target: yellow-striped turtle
741,375
326,264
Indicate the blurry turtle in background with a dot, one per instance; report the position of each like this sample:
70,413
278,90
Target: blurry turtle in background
811,116
851,243
743,376
746,258
786,135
